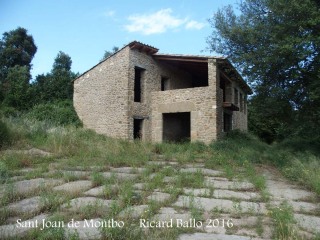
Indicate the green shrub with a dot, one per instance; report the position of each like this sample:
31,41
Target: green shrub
7,111
4,172
5,134
299,144
239,135
59,113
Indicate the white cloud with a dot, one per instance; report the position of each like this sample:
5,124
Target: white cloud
158,22
194,25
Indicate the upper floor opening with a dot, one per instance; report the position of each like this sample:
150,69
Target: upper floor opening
193,71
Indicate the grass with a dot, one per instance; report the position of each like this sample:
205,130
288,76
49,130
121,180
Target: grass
97,179
238,156
190,180
195,209
76,145
284,222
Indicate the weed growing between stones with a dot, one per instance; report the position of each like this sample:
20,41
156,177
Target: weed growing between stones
284,222
192,180
97,179
195,209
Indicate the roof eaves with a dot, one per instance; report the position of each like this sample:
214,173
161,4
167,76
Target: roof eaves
238,77
187,56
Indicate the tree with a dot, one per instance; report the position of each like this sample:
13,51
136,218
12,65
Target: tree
276,45
62,62
56,85
62,76
109,53
16,48
17,95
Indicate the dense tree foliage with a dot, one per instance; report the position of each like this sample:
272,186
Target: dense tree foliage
17,95
276,45
17,50
56,85
50,92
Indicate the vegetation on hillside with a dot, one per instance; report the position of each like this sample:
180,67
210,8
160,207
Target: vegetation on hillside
47,96
276,46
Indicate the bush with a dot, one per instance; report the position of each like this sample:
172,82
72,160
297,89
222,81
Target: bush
4,172
7,111
59,113
300,144
5,134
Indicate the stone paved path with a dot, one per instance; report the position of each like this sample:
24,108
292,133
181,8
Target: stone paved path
189,196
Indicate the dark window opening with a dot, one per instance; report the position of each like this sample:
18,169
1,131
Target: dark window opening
137,84
164,83
176,127
199,80
236,97
241,102
194,73
137,128
227,122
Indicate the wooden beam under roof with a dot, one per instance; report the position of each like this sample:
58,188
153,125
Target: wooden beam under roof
181,59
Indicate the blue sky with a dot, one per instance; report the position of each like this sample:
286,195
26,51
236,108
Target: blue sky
85,29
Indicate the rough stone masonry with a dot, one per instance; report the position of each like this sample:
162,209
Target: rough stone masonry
138,93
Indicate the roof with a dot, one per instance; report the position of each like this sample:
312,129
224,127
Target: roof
227,68
197,60
143,47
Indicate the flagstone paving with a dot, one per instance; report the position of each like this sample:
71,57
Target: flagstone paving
74,187
119,175
84,229
168,213
208,172
97,191
77,204
28,205
26,186
159,197
22,228
134,211
205,211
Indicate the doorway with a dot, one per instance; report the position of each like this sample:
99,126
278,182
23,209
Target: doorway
176,127
137,128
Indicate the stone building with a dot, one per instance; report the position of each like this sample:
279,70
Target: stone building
139,93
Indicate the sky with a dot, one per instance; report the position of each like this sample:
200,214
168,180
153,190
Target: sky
86,29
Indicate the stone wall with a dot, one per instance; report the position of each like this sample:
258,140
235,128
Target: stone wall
101,96
240,118
104,98
200,102
151,82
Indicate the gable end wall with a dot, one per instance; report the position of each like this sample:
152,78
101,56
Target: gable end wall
101,96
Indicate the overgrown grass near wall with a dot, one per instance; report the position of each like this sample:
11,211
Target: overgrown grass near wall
78,146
